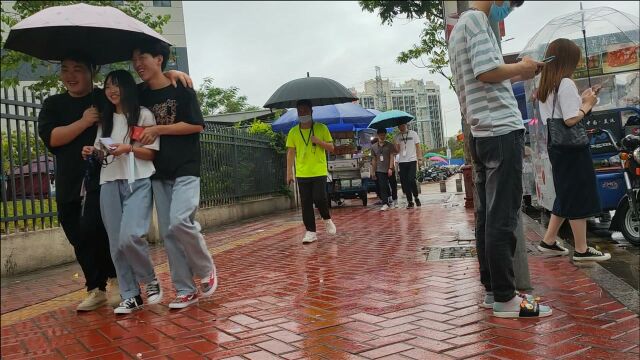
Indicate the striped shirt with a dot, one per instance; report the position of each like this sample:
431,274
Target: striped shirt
490,109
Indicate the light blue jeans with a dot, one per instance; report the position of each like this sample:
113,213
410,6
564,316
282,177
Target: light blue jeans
126,213
176,203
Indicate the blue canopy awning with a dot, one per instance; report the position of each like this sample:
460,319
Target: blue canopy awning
349,113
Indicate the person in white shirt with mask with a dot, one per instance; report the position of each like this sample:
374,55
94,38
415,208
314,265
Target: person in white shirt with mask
409,152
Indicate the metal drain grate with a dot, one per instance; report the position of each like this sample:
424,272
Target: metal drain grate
436,253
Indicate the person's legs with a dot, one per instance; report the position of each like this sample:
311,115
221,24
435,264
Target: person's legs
555,222
480,200
136,217
579,229
502,158
69,215
92,229
404,182
393,184
320,198
383,182
181,274
184,227
306,201
413,184
111,208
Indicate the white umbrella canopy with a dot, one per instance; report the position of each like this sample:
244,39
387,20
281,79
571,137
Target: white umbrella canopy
103,34
607,30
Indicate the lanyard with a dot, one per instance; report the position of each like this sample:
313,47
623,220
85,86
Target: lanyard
307,140
405,138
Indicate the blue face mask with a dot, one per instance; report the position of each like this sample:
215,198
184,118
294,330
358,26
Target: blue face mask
499,13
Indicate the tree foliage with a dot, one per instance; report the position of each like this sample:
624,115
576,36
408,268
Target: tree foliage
216,100
13,61
432,43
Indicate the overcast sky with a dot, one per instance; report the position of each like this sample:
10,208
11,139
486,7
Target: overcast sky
258,46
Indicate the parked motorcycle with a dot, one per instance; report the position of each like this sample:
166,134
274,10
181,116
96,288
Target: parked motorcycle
627,215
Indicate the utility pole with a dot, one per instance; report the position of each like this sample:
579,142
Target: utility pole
380,95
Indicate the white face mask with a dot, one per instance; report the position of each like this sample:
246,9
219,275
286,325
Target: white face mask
305,119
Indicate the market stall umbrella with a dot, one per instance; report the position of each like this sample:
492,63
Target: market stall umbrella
321,91
101,33
348,113
432,154
390,118
437,159
608,38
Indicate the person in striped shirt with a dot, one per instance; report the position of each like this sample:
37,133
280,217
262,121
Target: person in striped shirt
483,83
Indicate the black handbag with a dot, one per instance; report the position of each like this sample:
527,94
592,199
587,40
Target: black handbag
563,136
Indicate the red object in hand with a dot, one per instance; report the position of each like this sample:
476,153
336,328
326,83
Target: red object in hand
136,133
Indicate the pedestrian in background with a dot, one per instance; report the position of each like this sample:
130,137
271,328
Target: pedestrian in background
574,177
307,146
382,154
409,152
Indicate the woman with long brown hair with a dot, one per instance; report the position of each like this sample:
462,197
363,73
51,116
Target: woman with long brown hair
573,174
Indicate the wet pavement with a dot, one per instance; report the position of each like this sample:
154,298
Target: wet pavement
370,292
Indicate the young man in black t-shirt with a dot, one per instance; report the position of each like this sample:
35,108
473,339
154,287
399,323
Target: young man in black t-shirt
176,183
66,124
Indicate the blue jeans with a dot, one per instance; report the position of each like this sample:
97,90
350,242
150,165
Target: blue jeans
176,203
126,213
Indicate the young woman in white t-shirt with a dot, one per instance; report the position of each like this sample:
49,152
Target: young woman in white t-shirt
574,178
125,195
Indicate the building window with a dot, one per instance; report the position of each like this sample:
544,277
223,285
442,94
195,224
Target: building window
162,3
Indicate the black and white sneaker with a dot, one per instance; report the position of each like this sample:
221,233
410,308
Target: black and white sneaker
591,255
154,292
418,203
555,249
410,205
129,305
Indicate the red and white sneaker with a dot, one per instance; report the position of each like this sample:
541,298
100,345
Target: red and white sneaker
209,284
182,301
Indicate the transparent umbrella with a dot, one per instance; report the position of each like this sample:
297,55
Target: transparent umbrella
607,37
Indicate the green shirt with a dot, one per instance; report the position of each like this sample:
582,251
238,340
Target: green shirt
311,161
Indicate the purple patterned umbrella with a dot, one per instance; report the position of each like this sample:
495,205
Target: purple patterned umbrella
103,34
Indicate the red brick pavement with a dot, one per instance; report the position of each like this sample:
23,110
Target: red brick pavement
367,293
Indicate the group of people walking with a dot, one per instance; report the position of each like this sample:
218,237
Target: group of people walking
117,150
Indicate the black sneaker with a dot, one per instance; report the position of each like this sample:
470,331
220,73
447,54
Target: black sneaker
552,249
418,204
129,305
154,292
591,255
410,205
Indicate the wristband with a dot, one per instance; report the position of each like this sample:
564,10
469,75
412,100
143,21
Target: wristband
131,148
584,114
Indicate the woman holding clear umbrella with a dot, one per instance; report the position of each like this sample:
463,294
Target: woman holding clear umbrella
573,174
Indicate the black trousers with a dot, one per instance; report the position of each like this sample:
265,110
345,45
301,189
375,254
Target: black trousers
313,190
497,162
89,239
388,186
408,180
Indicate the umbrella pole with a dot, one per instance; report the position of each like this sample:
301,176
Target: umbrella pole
586,55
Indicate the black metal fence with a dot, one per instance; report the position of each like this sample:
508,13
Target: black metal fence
236,166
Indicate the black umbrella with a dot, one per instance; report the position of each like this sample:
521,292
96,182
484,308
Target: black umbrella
321,91
103,34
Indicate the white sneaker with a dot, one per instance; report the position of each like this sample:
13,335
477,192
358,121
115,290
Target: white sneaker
331,227
309,237
95,299
384,207
395,204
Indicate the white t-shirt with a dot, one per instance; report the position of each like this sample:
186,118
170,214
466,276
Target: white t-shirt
119,168
407,143
567,105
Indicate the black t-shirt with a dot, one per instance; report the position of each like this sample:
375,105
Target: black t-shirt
179,155
61,110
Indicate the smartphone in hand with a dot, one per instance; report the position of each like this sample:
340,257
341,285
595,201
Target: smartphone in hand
136,133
